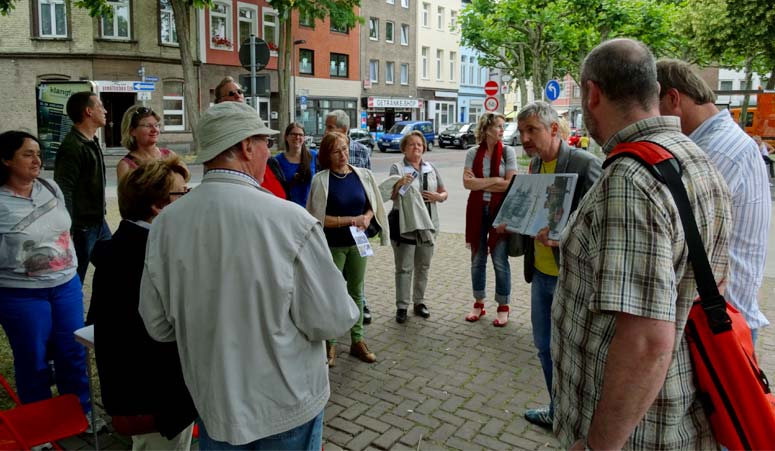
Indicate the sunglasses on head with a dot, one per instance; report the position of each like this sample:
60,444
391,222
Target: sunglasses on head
140,113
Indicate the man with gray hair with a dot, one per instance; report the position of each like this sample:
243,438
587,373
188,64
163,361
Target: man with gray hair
736,156
245,283
539,129
623,376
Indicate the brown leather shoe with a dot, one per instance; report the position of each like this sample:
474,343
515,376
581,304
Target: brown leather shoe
362,352
331,354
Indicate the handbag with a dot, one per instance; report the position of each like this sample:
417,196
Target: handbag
373,229
734,391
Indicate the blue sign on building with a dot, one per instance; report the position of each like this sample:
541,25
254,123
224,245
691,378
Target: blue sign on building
140,86
552,90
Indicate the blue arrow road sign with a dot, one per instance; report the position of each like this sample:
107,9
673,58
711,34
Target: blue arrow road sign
140,86
552,90
151,78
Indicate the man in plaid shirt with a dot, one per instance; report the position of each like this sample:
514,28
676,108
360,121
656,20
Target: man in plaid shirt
623,374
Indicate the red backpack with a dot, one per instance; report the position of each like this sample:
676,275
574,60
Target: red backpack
733,389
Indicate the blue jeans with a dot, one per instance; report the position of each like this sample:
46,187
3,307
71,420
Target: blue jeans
308,436
84,239
754,335
500,262
541,295
39,323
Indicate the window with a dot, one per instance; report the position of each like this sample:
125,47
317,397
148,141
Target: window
452,61
389,72
453,21
270,29
390,31
306,19
471,64
374,71
339,65
463,67
306,61
220,25
117,27
248,22
167,31
439,61
440,18
391,2
404,3
426,11
373,28
483,76
404,74
52,19
404,34
174,111
339,28
725,85
425,51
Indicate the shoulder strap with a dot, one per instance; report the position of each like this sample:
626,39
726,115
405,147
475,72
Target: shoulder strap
665,168
48,185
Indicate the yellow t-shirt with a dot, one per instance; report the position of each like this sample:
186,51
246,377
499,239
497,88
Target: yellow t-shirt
544,257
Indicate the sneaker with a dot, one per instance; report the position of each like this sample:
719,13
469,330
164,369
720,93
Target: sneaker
540,417
42,447
366,315
98,425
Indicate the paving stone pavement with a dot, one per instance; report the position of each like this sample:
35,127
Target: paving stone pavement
440,383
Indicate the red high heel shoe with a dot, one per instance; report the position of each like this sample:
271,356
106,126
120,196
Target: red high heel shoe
496,322
472,317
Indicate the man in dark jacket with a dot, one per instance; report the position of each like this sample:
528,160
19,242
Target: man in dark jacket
80,172
538,128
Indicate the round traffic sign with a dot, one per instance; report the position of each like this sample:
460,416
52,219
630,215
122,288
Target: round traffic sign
552,90
491,104
491,88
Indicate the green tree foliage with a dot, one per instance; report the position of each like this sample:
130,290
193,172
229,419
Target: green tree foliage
539,40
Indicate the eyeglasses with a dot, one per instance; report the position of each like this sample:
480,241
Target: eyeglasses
269,141
180,193
296,135
234,93
156,126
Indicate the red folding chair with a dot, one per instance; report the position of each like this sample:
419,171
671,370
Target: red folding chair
36,423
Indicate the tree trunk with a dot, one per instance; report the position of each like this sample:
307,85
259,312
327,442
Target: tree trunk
284,73
746,97
183,15
522,92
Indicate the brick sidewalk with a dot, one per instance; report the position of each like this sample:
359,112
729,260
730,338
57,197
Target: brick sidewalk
440,383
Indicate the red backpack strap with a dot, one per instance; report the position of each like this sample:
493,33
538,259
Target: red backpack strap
649,154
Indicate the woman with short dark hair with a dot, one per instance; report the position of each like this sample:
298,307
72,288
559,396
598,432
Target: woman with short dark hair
41,303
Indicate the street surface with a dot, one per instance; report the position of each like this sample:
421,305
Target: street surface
440,383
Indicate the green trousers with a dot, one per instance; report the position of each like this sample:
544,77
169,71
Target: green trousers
353,268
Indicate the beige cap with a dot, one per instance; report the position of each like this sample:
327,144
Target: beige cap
226,124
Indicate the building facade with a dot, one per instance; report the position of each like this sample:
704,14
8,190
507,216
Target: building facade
472,79
438,53
388,64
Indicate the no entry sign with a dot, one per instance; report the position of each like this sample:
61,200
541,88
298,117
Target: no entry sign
491,88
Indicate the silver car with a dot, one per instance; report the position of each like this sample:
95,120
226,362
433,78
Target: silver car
511,134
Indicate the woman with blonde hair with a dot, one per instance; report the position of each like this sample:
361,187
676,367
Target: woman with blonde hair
488,171
140,130
343,197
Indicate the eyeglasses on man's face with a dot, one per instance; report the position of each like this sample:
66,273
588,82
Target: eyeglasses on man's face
235,93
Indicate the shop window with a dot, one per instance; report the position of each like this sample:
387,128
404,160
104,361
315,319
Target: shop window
339,63
306,61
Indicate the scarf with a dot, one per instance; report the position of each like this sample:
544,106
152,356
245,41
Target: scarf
476,203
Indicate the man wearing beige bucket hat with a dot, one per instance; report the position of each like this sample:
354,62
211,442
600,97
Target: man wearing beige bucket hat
245,283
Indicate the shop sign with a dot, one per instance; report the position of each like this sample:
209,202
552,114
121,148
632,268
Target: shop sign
394,102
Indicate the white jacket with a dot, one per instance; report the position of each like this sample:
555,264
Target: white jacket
245,283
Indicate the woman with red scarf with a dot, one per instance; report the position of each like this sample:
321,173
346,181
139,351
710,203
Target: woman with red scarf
488,170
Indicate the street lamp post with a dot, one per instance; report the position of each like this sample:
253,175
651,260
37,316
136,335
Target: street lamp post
292,110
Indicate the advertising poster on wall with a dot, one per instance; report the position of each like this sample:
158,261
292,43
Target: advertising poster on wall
53,123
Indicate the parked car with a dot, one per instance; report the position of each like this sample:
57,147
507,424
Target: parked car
458,135
390,140
511,134
362,136
356,134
